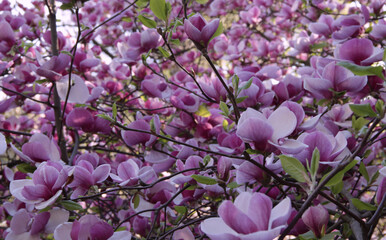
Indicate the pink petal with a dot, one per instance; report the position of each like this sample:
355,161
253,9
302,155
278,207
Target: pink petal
78,93
101,173
216,229
280,213
235,218
58,216
282,128
208,31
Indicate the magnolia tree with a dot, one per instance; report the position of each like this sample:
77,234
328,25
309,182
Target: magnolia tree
185,119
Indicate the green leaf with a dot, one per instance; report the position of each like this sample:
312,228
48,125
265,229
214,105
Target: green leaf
175,41
26,168
147,21
220,29
66,6
247,85
317,46
164,53
235,83
203,111
224,108
202,1
136,201
106,117
380,106
384,55
126,19
358,124
114,110
158,7
330,236
181,209
233,185
337,188
142,3
363,205
315,162
294,168
204,179
363,171
363,110
339,176
71,205
67,53
241,99
206,159
363,70
42,81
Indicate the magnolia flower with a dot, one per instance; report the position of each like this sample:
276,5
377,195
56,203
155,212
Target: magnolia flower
199,30
26,226
359,51
255,128
86,176
44,187
334,77
132,138
316,218
89,227
251,216
39,148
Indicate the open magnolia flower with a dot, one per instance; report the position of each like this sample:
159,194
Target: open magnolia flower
251,216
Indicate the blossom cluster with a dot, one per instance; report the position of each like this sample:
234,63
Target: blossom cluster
209,119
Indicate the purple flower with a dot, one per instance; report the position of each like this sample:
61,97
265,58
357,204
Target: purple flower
255,128
334,77
199,30
7,37
25,225
39,148
331,148
251,216
86,176
53,67
44,187
359,51
89,227
132,138
316,218
127,173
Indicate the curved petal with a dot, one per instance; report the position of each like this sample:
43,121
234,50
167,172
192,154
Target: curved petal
255,130
280,213
260,208
282,128
58,216
78,93
101,173
235,218
209,30
192,32
63,231
263,235
216,229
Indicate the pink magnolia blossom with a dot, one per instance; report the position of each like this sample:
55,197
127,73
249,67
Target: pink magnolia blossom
86,175
44,187
251,216
132,138
334,77
25,225
316,218
89,227
199,30
254,127
38,149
